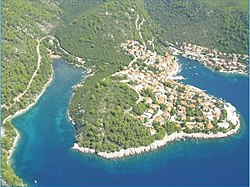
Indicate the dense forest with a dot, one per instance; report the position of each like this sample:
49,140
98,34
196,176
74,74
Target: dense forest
96,35
23,23
94,30
99,103
97,31
218,24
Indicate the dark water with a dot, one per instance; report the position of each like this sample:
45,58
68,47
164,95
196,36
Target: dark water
44,153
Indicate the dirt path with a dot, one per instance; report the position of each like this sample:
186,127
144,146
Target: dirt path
39,59
140,97
138,27
136,22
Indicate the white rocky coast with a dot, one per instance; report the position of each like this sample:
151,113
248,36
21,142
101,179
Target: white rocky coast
159,143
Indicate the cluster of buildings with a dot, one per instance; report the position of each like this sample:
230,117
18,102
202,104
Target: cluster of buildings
187,106
223,62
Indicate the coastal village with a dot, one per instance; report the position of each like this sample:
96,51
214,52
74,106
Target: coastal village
187,106
190,112
213,58
118,111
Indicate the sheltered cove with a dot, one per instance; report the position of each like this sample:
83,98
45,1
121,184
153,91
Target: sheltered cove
140,52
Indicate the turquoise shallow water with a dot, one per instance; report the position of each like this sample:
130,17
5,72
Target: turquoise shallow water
44,153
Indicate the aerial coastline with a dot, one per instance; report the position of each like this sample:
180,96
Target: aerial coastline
27,108
130,151
151,91
153,77
165,71
166,68
155,145
22,111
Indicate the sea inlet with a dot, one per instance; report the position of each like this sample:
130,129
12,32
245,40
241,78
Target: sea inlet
44,151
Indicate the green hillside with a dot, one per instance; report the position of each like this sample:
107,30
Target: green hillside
96,35
23,22
212,23
233,4
95,30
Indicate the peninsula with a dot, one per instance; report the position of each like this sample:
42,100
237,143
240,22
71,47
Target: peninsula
137,105
168,109
130,100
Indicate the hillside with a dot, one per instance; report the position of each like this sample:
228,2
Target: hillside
100,108
218,24
98,33
24,23
99,27
106,109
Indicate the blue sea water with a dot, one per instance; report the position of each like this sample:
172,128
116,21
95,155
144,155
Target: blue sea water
44,149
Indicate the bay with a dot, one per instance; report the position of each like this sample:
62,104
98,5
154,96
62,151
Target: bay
44,150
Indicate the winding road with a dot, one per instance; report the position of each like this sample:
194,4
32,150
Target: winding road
17,98
39,59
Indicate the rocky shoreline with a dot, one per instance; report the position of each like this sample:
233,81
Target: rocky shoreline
23,111
231,116
32,104
157,144
13,147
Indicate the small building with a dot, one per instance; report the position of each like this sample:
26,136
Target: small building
223,125
210,125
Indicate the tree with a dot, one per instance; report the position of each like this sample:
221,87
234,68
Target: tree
160,134
163,106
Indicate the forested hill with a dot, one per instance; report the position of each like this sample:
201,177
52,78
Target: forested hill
89,28
220,24
95,29
24,23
